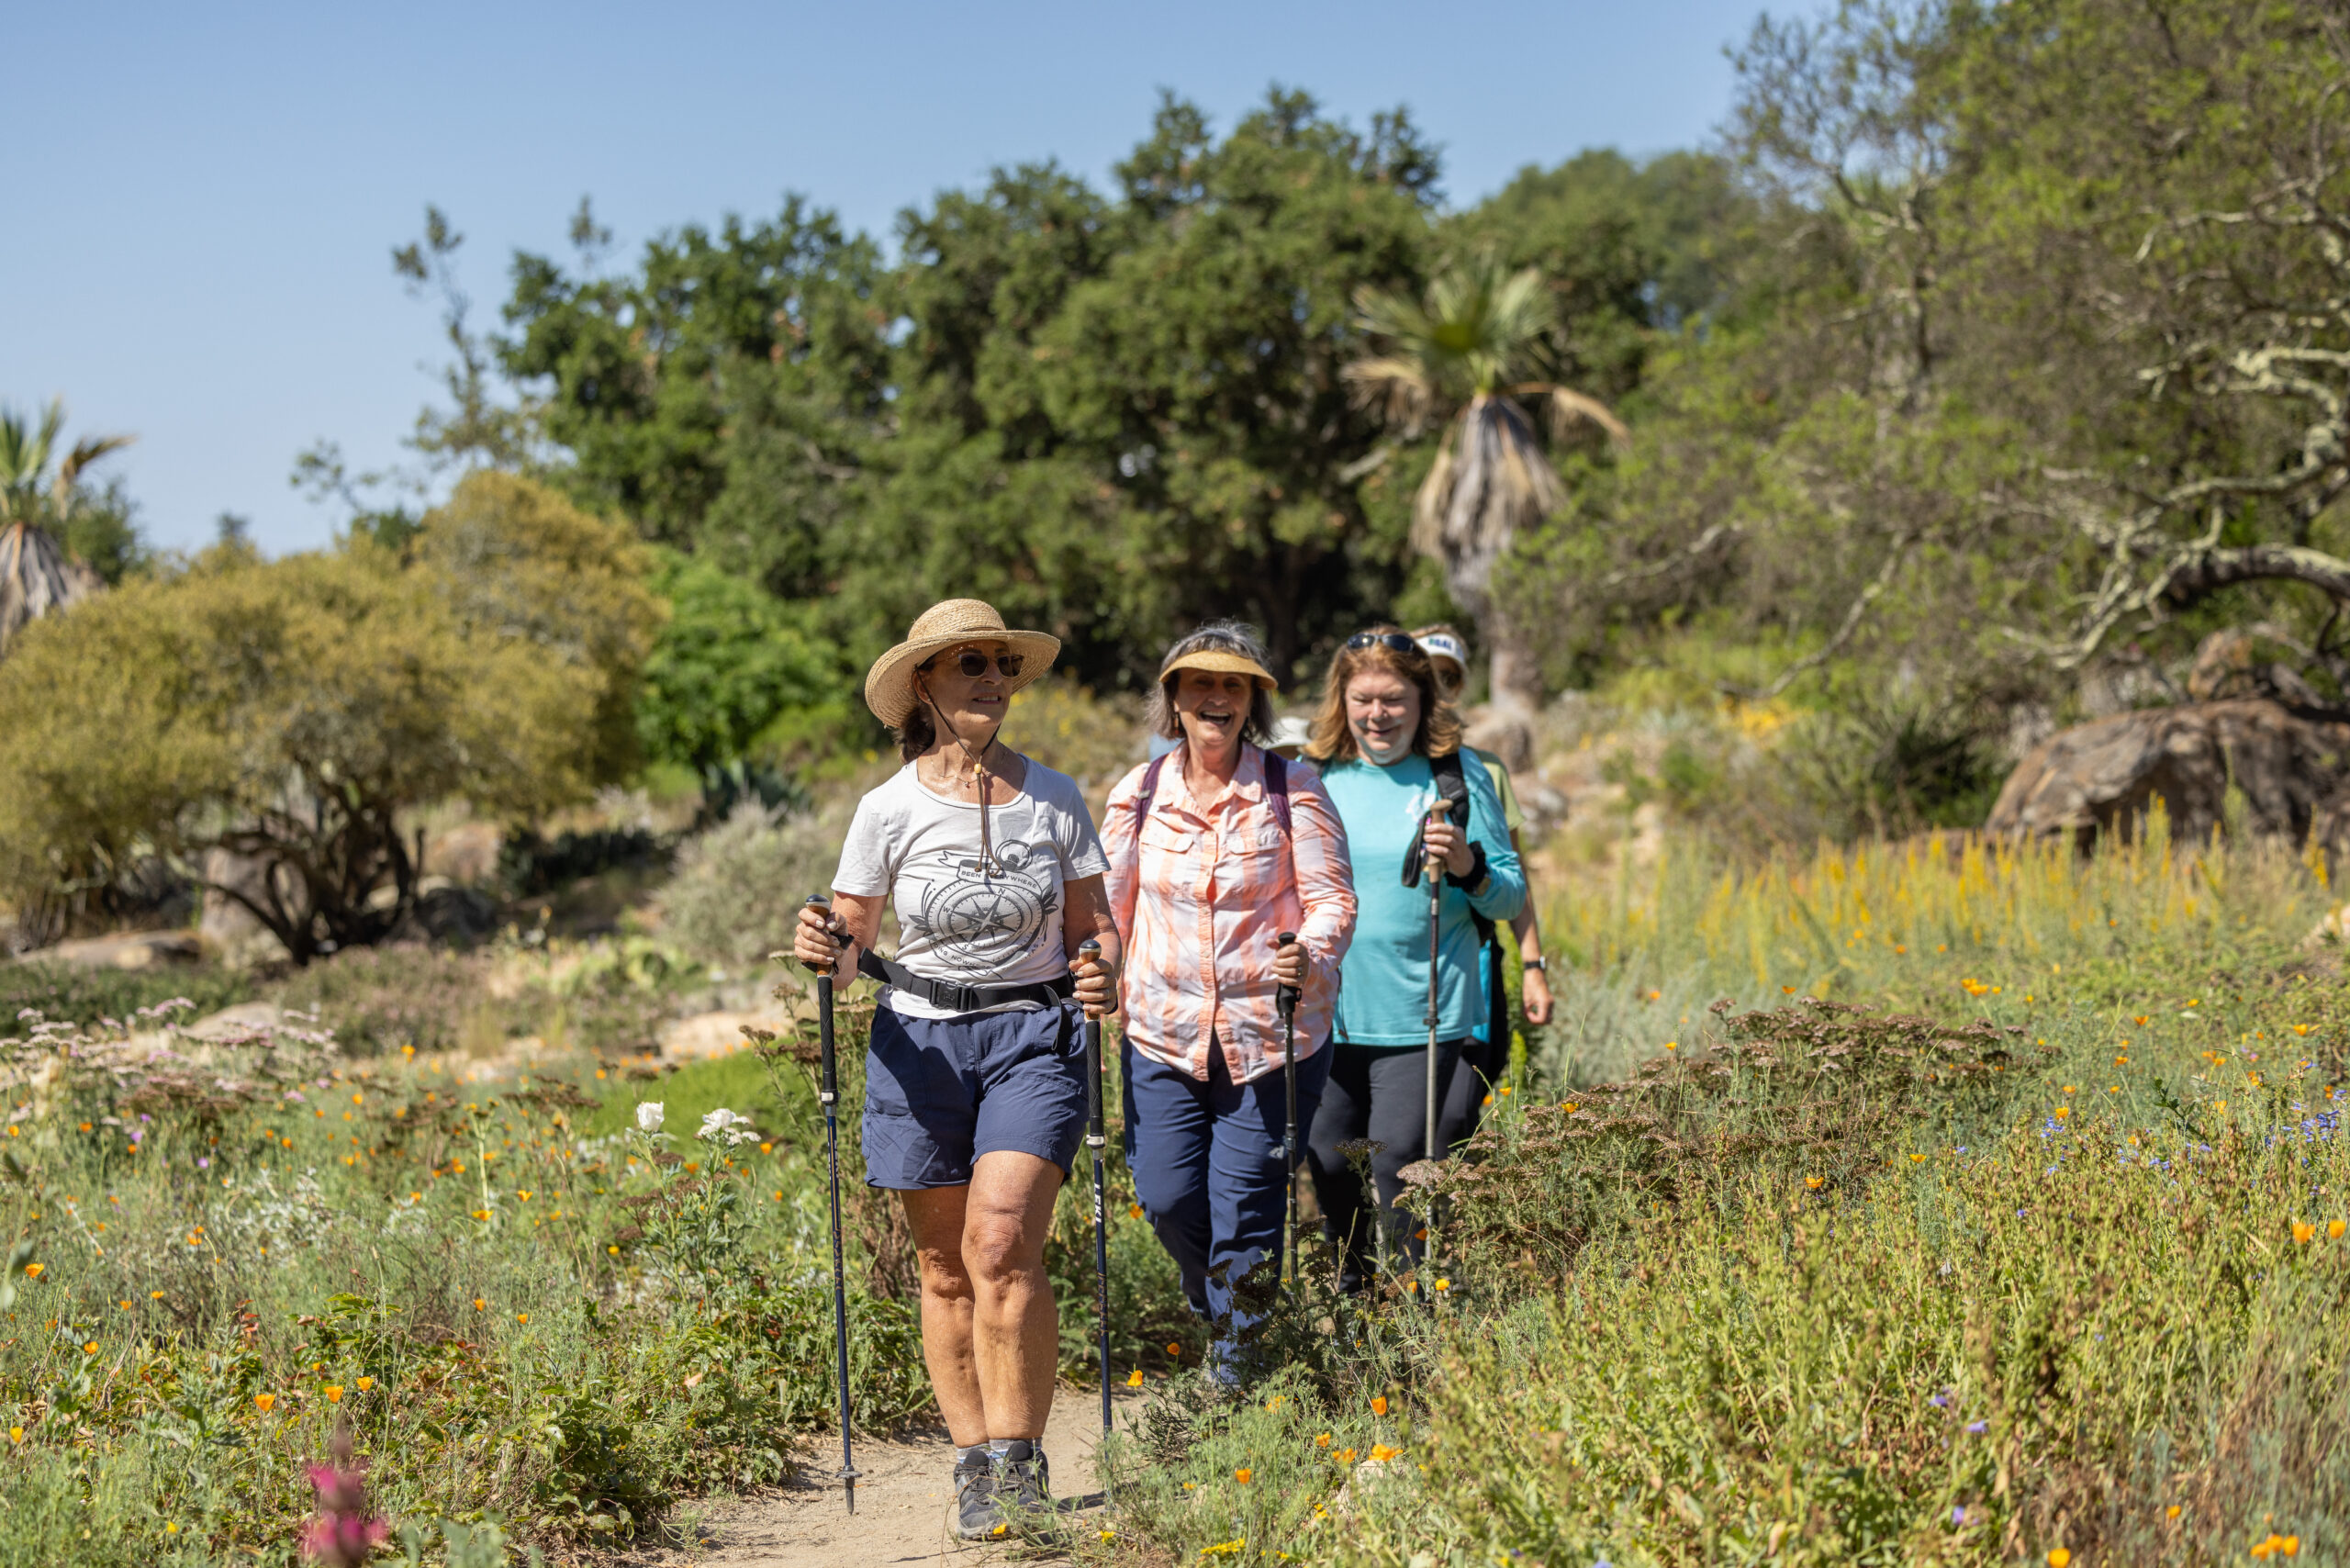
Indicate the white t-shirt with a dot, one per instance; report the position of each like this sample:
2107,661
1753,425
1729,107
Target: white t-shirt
958,920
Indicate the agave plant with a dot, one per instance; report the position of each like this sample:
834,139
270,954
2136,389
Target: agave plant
35,576
1455,359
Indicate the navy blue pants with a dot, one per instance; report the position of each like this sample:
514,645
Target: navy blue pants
1207,1166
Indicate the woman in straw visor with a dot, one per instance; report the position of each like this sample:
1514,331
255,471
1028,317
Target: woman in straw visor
974,1093
1216,849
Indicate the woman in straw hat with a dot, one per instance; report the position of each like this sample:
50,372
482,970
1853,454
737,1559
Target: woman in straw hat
1216,849
975,1093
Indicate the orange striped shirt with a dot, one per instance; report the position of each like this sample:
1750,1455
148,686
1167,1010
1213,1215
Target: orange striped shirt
1199,890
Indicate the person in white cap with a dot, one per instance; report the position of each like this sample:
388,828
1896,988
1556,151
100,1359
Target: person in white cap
975,1094
1448,650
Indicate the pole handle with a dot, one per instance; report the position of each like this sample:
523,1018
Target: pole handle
1285,997
1090,951
1442,811
818,901
828,1057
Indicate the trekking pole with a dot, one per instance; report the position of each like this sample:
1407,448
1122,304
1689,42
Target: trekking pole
1435,874
1285,1004
829,1096
1428,1150
1090,951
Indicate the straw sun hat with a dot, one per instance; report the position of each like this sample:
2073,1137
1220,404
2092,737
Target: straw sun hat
890,684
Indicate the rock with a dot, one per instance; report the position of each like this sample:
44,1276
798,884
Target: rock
235,1023
131,950
1505,728
715,1034
2247,662
2292,762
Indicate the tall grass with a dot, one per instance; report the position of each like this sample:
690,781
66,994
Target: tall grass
1916,925
2053,1269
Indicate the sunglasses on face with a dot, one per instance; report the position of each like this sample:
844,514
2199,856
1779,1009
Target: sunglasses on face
974,664
1394,641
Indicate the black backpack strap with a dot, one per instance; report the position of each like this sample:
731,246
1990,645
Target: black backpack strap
1452,787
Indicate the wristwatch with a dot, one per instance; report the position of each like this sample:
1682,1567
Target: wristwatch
1542,964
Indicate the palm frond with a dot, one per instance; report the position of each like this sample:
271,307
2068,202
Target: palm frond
1564,407
86,451
1397,389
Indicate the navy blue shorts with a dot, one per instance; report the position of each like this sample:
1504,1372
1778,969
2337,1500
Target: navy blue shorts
939,1093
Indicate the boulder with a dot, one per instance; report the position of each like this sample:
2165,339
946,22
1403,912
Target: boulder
2292,762
129,950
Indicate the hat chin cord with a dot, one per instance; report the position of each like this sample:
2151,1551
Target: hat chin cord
980,775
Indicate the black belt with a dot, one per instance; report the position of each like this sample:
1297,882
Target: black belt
963,998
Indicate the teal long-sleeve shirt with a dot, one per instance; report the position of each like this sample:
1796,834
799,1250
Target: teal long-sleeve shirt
1383,995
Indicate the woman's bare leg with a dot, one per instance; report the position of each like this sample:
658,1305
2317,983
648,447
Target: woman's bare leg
990,1335
1015,1329
935,1215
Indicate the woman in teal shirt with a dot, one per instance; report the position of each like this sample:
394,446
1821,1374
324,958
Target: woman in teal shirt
1384,741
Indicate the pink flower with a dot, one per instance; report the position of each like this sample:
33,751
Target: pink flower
341,1535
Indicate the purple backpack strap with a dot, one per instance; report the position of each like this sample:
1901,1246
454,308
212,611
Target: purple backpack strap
1149,787
1277,787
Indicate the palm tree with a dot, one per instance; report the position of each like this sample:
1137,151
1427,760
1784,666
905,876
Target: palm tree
36,575
1455,359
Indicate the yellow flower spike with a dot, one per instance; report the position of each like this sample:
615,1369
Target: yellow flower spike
1134,1378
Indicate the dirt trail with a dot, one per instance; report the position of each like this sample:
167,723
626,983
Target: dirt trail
901,1504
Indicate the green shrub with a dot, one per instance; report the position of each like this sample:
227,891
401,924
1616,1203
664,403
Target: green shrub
738,888
85,994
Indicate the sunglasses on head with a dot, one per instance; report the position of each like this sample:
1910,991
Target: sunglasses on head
974,664
1394,641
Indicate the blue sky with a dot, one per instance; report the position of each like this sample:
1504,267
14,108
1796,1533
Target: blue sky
207,197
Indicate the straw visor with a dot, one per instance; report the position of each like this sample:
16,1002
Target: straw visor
890,684
1220,663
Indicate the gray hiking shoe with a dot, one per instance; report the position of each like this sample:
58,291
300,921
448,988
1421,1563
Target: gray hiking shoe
976,1518
1023,1481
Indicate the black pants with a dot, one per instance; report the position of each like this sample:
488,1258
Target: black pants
1382,1095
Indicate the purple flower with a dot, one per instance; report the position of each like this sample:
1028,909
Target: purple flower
341,1534
1977,1429
1958,1516
205,1163
1940,1401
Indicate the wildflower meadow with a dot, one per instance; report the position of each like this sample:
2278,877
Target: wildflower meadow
1933,1201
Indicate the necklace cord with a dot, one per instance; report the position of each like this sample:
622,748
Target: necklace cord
989,864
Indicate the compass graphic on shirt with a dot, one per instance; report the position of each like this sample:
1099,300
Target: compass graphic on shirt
987,918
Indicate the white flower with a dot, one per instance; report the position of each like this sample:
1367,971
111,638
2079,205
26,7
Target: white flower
648,1116
724,1124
